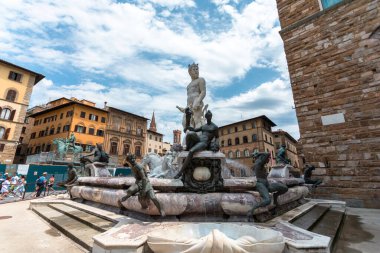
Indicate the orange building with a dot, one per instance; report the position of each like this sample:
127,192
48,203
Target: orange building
16,85
64,116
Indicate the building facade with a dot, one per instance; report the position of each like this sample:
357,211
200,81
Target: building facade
240,139
282,137
333,54
155,140
125,133
16,85
177,136
64,116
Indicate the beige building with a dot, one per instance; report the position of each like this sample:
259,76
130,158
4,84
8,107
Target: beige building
333,54
125,133
240,139
154,140
16,85
282,137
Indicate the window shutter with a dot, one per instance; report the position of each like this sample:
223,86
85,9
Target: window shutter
84,130
76,129
89,116
96,117
6,134
12,115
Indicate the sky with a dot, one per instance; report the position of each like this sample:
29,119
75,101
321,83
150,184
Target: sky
134,55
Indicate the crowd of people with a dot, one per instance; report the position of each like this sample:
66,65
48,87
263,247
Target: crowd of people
15,186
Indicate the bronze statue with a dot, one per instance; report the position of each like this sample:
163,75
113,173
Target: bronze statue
142,186
208,140
72,177
307,176
262,184
281,155
99,155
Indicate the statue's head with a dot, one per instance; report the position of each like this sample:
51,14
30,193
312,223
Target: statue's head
193,70
208,115
99,146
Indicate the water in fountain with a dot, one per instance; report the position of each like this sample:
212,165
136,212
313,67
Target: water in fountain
237,169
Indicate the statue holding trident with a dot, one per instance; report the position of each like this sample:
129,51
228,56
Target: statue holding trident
196,92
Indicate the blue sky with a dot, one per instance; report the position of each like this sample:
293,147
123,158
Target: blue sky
134,55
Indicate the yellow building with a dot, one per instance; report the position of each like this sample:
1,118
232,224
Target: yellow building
240,139
64,116
16,85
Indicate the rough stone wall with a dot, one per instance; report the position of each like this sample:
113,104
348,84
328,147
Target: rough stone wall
334,64
295,10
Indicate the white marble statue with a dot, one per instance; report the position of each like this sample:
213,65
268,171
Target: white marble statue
196,92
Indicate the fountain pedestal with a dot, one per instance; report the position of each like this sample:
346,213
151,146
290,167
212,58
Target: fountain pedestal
204,173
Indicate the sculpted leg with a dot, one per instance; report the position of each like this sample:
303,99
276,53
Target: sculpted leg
278,189
153,197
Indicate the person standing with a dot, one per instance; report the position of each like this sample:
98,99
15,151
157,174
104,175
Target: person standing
5,188
41,182
51,183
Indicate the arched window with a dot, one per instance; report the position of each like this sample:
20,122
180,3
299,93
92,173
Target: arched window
246,153
126,148
138,151
5,113
237,141
222,143
11,95
237,153
113,150
230,154
229,142
254,137
80,129
245,139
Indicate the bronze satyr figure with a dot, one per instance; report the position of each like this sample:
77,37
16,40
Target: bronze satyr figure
141,186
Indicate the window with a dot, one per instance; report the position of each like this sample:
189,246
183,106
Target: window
237,141
149,150
23,130
93,117
236,129
51,131
328,3
160,139
2,147
83,114
155,151
270,140
155,138
6,114
113,150
41,133
129,129
66,128
33,135
150,137
222,143
126,149
37,150
139,131
229,142
244,127
103,120
277,144
69,114
15,76
2,132
100,132
61,117
48,148
228,130
253,124
91,131
246,153
138,151
230,155
254,137
80,129
11,95
58,130
245,139
237,153
266,138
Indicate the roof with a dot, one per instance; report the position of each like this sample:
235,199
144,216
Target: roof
286,134
38,78
246,120
116,109
148,130
62,106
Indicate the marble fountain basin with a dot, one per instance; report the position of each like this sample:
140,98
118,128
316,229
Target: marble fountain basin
216,238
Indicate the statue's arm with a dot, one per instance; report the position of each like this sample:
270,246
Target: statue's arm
144,179
202,93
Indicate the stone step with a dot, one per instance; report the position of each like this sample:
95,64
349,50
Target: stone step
329,224
307,220
72,228
90,220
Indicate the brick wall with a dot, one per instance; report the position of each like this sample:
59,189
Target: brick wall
334,64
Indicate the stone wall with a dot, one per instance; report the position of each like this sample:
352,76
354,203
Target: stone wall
334,64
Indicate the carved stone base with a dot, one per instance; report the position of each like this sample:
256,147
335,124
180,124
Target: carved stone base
204,172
